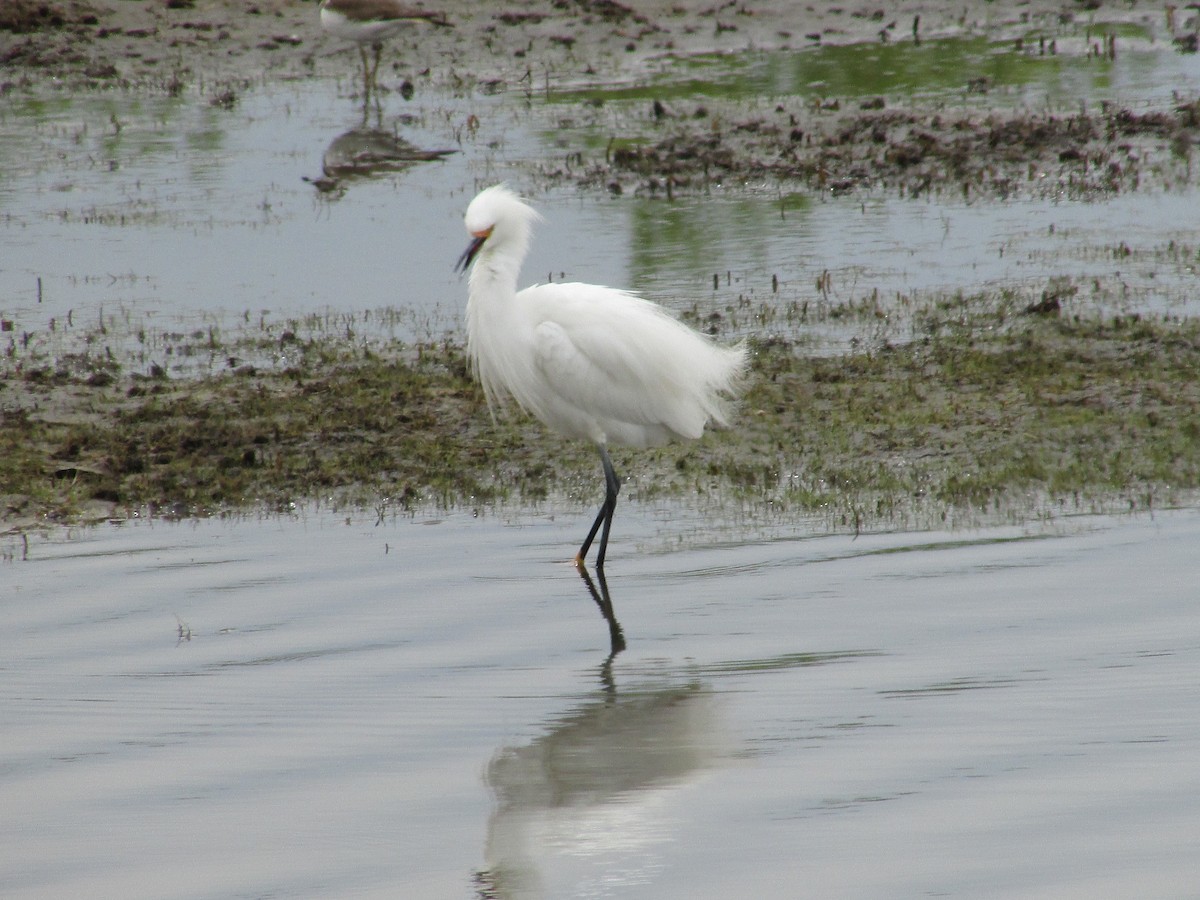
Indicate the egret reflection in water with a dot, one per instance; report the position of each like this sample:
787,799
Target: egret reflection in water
604,601
590,793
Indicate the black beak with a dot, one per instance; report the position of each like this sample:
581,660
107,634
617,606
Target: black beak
464,261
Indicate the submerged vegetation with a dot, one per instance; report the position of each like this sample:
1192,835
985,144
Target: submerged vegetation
982,415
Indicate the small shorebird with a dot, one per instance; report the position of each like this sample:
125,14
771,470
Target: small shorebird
371,22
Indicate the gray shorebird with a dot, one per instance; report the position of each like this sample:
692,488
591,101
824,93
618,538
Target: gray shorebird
370,23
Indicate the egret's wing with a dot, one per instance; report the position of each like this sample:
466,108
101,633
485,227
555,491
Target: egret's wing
623,359
592,372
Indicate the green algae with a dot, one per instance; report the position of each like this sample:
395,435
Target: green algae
1013,416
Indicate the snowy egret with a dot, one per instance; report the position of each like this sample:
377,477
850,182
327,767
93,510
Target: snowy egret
371,22
591,362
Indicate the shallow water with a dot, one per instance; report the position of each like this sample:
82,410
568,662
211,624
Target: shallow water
323,706
144,215
1074,71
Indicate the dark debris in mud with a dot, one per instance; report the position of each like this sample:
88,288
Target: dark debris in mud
48,37
1050,406
78,431
998,155
27,16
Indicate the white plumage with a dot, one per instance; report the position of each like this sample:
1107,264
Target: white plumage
591,362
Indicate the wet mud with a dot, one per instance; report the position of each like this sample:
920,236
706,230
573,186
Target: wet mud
900,152
1041,412
986,424
829,144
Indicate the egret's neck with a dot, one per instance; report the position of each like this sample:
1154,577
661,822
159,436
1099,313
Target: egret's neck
494,276
491,301
493,279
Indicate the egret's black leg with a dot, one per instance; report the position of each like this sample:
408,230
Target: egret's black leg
611,488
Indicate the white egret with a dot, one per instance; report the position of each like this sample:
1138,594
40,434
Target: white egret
591,362
370,22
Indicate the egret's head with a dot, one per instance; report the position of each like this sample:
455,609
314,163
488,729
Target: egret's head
499,223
